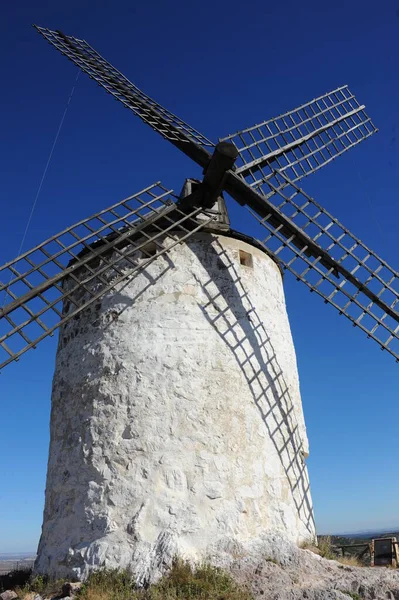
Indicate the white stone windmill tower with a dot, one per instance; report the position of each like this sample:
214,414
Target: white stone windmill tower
177,423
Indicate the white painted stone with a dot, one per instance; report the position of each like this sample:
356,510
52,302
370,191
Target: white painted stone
176,417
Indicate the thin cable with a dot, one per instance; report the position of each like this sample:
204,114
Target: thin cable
39,189
47,166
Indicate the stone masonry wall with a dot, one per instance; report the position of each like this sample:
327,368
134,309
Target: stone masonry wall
176,422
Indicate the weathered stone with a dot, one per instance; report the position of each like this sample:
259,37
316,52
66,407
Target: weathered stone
176,417
8,595
275,569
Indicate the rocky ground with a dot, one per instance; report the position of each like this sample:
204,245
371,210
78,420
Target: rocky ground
274,569
67,591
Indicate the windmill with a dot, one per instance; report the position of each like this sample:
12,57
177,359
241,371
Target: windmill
159,302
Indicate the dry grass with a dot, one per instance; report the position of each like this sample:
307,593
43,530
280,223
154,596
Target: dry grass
39,585
24,596
327,550
325,547
203,582
350,561
183,582
108,584
94,594
308,544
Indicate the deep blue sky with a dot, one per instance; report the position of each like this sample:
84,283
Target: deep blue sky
221,66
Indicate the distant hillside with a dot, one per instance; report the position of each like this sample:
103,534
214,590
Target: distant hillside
10,561
336,546
365,536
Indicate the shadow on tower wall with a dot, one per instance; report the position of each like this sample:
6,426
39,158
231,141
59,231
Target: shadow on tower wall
231,313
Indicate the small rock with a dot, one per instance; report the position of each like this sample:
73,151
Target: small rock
8,595
70,589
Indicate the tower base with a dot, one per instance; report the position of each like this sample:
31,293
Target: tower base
176,422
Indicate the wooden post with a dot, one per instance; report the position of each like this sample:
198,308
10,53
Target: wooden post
222,160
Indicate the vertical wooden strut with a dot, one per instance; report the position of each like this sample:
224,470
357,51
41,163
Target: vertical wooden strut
223,159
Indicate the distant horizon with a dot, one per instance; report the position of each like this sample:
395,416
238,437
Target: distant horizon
22,553
362,531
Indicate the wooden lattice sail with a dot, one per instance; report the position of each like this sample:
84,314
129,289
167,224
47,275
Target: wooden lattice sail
271,158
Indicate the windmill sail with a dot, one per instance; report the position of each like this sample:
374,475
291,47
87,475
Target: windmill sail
273,157
302,140
92,256
296,143
319,251
179,133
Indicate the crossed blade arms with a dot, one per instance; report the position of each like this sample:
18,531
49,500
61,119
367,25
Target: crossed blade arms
92,256
85,261
298,142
